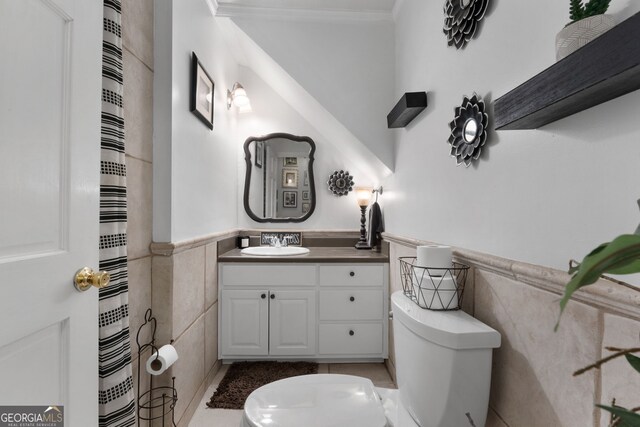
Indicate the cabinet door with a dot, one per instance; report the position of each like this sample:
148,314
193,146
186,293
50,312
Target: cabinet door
293,323
244,323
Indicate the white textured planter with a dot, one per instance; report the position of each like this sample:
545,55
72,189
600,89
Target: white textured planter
575,35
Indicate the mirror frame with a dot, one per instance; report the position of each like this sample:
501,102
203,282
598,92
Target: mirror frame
247,178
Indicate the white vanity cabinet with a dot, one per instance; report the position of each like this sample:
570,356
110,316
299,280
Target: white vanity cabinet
352,317
303,311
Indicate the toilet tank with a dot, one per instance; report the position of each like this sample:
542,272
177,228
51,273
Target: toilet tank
443,364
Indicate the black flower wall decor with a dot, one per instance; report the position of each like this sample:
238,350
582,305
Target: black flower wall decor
340,183
461,21
468,130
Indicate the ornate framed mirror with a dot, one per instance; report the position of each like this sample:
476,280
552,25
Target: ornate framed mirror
279,182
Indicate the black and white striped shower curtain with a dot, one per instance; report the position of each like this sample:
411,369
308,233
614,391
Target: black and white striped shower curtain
115,395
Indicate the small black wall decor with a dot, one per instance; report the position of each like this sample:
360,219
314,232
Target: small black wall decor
461,20
340,183
410,105
468,130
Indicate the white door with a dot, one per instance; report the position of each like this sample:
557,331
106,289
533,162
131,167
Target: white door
244,323
50,80
292,318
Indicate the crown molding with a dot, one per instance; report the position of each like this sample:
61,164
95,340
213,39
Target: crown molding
213,6
229,10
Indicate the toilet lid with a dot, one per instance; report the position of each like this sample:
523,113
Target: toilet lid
324,400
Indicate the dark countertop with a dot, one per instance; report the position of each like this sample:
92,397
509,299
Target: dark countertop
316,254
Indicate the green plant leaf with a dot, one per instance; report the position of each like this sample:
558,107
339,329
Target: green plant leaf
620,256
629,419
596,7
576,10
634,361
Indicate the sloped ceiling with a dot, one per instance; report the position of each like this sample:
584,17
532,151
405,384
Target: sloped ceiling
337,54
247,53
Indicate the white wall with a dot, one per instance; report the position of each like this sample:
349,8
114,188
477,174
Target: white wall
198,173
540,196
347,66
195,177
272,114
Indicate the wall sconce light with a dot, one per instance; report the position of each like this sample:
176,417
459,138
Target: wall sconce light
363,195
238,96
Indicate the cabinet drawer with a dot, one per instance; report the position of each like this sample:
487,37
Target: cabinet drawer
351,305
241,274
337,339
351,275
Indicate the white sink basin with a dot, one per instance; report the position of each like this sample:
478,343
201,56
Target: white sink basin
271,251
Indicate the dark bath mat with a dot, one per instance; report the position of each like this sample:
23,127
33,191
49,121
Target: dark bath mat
244,377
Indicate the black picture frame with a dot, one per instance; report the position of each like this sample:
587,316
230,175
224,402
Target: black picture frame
289,199
201,99
259,155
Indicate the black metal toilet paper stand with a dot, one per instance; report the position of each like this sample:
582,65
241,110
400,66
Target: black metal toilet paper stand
157,403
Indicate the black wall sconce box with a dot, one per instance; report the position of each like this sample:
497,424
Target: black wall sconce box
409,106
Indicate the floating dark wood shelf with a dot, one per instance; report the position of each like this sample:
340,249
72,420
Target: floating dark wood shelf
409,106
604,69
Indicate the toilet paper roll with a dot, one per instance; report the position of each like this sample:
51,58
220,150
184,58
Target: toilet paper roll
435,256
159,361
445,297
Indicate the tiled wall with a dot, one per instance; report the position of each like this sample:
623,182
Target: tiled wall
185,303
137,33
532,383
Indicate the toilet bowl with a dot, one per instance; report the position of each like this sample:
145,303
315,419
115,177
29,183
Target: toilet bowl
443,370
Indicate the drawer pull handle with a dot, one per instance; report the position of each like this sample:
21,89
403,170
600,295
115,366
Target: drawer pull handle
352,299
263,296
351,333
352,273
273,296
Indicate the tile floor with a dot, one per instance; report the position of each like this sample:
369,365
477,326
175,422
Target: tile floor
207,417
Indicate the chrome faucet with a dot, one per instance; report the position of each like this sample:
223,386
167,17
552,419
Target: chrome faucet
275,242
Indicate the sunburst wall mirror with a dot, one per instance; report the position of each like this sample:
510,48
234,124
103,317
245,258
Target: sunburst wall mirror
468,130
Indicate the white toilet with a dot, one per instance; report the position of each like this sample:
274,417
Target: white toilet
443,369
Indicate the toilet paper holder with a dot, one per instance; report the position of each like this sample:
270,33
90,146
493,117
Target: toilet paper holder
433,288
158,402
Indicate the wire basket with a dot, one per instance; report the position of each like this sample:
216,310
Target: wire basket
158,403
433,288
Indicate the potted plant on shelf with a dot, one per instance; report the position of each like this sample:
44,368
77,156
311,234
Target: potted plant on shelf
588,22
620,256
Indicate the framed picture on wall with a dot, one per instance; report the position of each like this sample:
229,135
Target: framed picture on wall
259,157
306,207
290,178
289,199
201,93
305,196
290,161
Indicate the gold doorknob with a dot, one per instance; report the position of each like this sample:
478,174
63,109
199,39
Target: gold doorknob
86,278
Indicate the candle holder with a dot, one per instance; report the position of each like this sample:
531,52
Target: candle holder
363,195
362,243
